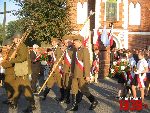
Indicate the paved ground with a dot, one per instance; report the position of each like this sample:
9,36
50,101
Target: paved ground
105,91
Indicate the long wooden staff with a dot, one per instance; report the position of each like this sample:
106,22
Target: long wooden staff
53,69
25,35
7,54
91,13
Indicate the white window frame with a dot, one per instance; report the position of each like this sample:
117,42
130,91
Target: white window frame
82,12
134,14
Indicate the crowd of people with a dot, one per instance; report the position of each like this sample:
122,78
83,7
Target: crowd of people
66,63
132,70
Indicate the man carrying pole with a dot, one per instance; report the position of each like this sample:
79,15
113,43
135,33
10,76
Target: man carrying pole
21,62
56,76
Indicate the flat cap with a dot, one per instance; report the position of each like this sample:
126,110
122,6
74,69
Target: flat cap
78,37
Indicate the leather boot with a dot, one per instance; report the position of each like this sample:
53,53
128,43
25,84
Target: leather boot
93,101
67,96
46,91
74,106
62,98
79,97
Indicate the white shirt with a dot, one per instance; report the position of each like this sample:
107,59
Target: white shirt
141,65
132,62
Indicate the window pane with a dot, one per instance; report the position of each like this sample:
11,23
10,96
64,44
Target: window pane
111,11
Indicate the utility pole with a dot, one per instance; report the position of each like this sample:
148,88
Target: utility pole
4,21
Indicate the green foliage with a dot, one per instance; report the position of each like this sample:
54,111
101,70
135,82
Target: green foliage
14,27
1,34
48,19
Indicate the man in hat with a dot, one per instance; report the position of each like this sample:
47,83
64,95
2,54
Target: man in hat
22,80
68,43
67,78
80,70
56,76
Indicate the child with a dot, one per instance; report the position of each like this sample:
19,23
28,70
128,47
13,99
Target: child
130,72
140,75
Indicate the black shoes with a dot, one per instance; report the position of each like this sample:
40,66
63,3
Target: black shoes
93,105
93,101
74,106
79,97
46,91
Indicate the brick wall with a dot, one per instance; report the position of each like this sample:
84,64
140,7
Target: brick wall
139,41
145,16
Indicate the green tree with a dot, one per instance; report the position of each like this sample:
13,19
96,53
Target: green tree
1,34
14,27
48,18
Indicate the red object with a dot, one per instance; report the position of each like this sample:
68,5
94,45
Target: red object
79,65
130,76
85,41
136,105
139,105
66,60
111,39
98,39
133,105
124,105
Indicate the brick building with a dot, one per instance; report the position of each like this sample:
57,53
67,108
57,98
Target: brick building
131,20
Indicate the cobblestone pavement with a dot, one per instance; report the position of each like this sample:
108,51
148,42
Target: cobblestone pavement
105,91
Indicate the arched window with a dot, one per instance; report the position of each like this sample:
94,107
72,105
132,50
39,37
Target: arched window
134,14
82,12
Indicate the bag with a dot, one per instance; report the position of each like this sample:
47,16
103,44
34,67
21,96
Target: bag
21,69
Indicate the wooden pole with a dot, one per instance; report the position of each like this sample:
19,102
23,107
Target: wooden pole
4,21
51,73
